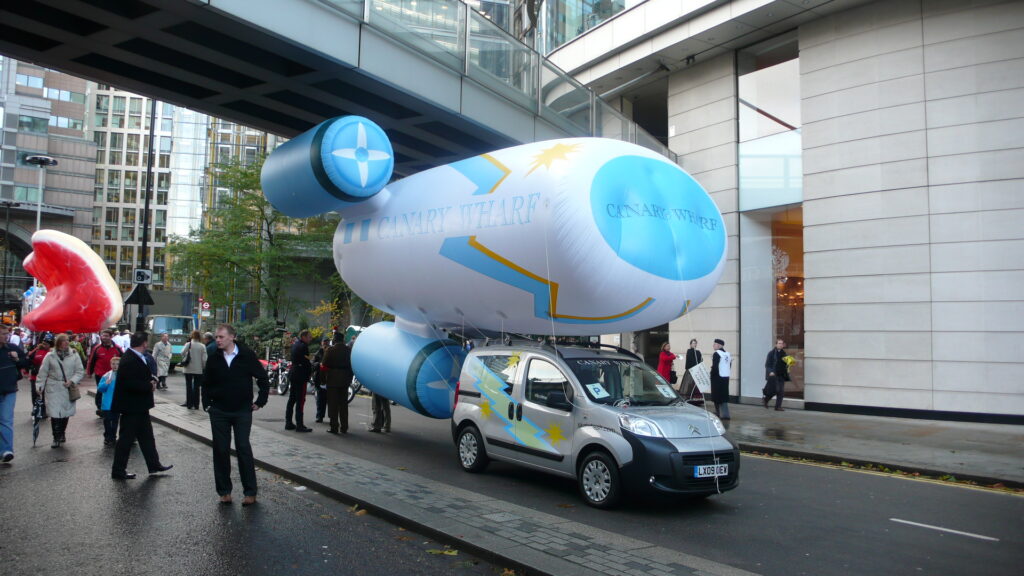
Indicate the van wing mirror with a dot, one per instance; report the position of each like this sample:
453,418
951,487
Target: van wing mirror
558,401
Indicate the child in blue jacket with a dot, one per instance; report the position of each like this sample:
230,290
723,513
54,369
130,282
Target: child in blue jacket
106,388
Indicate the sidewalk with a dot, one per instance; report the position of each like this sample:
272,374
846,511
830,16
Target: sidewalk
986,453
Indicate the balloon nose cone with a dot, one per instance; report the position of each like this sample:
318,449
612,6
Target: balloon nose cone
656,217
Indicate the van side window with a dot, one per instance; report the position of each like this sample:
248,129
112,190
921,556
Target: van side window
502,367
542,378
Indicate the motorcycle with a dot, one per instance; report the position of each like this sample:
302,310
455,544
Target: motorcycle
277,372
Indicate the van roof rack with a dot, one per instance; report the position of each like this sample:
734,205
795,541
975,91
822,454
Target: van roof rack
613,347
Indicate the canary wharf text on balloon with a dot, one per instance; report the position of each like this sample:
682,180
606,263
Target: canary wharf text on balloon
640,210
483,214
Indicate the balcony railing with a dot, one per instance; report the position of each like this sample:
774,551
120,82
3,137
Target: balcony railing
466,41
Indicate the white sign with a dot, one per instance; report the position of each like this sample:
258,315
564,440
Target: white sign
597,391
702,378
143,276
206,313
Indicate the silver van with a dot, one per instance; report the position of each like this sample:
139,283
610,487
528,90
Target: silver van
598,415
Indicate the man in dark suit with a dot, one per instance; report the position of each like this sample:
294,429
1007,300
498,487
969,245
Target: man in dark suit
227,396
133,397
300,372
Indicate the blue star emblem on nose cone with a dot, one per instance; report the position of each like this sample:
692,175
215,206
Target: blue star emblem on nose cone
357,156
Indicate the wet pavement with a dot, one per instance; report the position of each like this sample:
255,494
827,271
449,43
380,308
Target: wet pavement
61,513
513,535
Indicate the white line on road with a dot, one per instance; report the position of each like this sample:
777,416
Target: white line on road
941,529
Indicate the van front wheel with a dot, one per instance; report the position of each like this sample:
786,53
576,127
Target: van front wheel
472,455
599,481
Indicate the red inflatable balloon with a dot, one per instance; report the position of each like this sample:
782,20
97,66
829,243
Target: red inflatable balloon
80,294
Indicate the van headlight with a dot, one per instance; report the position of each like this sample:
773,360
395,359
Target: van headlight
718,424
640,426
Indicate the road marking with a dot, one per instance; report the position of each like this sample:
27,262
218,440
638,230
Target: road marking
941,529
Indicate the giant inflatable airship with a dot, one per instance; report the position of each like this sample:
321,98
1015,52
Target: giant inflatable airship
578,236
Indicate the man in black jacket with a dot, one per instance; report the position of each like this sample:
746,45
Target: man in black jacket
776,375
300,372
133,397
227,396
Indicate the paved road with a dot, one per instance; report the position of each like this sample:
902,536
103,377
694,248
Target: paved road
62,514
784,519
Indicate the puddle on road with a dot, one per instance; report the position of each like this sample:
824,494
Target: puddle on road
754,432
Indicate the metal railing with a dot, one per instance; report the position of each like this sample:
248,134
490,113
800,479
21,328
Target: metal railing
466,41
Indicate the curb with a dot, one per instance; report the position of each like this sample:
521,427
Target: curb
836,459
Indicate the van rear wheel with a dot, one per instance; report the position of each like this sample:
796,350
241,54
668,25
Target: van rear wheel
472,454
598,480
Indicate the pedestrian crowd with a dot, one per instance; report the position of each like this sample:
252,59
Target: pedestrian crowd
219,374
777,373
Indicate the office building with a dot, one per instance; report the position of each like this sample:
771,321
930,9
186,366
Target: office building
868,159
42,113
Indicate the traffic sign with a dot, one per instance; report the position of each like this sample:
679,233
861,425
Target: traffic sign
143,276
206,305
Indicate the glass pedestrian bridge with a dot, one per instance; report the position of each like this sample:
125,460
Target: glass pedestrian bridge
441,78
468,42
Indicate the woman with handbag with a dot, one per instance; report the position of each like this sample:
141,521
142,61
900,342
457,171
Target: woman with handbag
58,379
665,360
193,361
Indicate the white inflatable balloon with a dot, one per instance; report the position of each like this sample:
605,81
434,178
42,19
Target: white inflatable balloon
577,236
580,236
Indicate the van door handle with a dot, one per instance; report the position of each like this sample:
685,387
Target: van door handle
519,412
511,410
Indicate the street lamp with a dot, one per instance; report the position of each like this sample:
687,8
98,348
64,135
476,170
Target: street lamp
40,161
7,247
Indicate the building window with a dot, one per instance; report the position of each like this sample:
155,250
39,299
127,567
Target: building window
28,80
101,120
113,195
65,122
102,103
26,194
32,124
133,142
127,253
97,214
100,138
117,141
770,149
110,254
64,95
111,216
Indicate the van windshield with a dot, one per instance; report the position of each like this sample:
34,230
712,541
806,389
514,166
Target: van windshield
172,324
608,380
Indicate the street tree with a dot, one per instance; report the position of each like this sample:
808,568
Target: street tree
246,250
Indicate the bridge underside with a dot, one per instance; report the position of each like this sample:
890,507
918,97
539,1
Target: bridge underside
194,56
